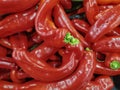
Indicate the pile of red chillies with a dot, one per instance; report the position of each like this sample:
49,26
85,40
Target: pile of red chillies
42,48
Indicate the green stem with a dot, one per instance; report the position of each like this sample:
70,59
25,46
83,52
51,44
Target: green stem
115,64
70,39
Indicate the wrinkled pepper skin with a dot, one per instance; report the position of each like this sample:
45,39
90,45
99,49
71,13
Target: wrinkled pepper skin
74,81
91,10
108,44
100,83
62,21
109,20
13,6
18,22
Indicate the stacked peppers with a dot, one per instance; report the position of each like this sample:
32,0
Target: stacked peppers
56,45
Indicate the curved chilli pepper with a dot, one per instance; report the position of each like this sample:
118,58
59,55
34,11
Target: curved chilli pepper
80,25
91,10
14,78
39,70
113,61
18,22
50,46
5,43
43,22
61,20
108,44
103,70
100,83
105,24
13,6
82,75
78,78
18,76
67,4
108,1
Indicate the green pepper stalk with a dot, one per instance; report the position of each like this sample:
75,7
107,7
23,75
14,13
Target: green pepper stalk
87,49
115,64
70,39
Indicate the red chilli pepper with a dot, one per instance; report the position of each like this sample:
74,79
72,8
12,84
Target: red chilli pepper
5,43
100,83
78,79
81,25
13,6
103,70
108,2
18,22
108,44
105,24
91,10
61,20
67,4
113,61
43,22
40,70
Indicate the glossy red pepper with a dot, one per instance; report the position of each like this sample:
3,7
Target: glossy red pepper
35,65
23,42
108,44
100,83
113,61
105,24
81,25
18,76
13,6
81,10
103,70
91,10
5,43
108,1
7,63
74,81
18,22
115,32
61,20
67,4
43,22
